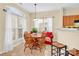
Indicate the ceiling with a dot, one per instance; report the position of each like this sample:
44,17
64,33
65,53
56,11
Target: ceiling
41,7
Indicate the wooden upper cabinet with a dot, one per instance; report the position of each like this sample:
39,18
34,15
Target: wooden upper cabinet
69,20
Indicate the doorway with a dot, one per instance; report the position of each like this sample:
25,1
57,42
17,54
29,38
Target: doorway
15,25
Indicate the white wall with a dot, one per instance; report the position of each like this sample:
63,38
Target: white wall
70,38
71,11
2,27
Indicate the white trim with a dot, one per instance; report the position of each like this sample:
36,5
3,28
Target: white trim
14,11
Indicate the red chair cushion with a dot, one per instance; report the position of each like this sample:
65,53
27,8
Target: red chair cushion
49,34
48,43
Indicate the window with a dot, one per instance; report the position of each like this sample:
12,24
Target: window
38,23
43,24
48,24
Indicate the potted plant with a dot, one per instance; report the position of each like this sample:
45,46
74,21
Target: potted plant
34,30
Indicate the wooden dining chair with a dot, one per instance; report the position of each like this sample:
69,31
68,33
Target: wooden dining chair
29,42
49,37
49,41
41,42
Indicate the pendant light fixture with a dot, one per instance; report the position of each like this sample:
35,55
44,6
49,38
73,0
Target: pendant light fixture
35,12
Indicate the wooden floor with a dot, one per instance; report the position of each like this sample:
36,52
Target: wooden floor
19,51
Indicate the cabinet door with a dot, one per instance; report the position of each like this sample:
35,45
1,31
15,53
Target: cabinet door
76,17
66,21
71,21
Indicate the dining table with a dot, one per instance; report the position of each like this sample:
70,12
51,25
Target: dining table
36,37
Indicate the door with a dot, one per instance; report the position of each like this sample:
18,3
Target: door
8,42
